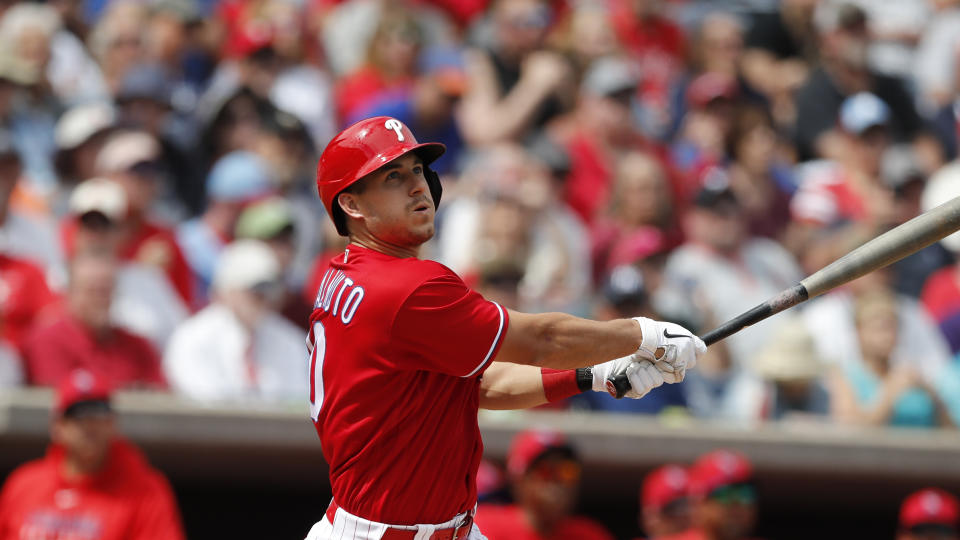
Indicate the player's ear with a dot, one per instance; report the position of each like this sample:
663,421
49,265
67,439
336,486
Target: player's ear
349,204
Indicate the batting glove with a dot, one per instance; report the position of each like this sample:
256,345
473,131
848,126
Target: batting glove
681,348
641,373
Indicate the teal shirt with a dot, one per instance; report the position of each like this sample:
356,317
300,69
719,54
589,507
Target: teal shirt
914,407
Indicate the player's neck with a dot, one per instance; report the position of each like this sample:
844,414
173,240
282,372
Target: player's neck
401,252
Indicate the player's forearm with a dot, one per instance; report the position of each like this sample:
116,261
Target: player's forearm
511,386
561,341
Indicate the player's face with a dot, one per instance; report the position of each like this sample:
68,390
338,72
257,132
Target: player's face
395,203
86,440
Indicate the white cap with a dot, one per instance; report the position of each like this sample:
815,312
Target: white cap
244,264
124,150
943,186
78,124
99,195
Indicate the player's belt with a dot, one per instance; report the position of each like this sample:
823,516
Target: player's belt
458,532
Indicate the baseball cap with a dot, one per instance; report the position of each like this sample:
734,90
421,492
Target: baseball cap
145,81
124,150
531,445
238,176
625,285
82,393
790,354
81,122
711,86
715,192
718,469
244,265
930,506
663,486
862,111
608,76
265,219
445,65
99,195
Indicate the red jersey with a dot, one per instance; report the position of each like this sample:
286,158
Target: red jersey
23,295
52,351
397,347
127,500
941,293
509,523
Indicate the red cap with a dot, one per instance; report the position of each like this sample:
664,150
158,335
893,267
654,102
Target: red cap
717,469
711,86
363,148
929,507
530,445
663,486
81,385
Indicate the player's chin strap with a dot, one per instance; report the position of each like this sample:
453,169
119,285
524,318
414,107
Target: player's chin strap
433,180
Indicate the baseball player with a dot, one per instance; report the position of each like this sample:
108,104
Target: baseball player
403,354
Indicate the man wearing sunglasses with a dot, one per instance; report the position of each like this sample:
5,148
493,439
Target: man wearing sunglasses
545,473
929,514
723,498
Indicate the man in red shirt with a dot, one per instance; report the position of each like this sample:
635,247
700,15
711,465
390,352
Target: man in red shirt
929,514
664,503
723,496
546,476
401,351
91,485
82,336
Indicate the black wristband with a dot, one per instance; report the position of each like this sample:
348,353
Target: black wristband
585,379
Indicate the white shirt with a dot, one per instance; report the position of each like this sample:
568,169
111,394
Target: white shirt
212,357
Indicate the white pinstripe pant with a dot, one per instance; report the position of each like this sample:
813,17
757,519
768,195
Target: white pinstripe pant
347,526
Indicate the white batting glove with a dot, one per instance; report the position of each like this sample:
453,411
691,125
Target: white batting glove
641,373
681,348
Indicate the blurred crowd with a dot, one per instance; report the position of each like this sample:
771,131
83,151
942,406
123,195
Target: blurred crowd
535,497
677,159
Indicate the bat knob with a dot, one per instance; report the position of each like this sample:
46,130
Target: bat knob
618,386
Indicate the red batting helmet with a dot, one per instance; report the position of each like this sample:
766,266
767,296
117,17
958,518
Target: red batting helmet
362,149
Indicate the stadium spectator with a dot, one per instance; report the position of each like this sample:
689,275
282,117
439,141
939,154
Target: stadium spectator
598,132
25,296
873,391
272,221
723,498
780,48
91,481
144,300
117,41
639,220
80,134
235,180
844,71
935,70
760,177
390,64
929,514
545,474
82,334
28,236
724,271
516,85
239,347
133,160
665,502
793,374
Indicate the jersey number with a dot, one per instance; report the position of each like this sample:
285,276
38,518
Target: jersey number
319,349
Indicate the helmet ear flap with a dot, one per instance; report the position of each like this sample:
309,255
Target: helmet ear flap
433,181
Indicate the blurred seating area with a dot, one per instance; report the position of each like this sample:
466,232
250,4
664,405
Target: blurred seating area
677,159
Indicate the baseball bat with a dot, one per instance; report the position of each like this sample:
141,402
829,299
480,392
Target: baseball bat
888,248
